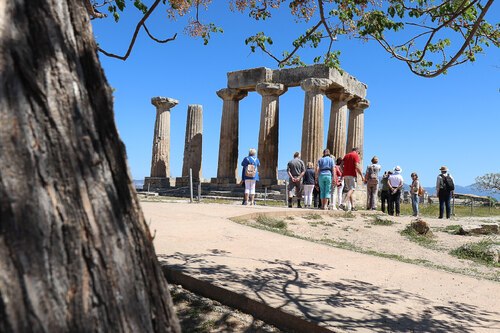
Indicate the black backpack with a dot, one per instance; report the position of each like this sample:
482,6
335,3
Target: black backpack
448,184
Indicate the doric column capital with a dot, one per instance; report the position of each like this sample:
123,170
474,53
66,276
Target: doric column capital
270,89
339,95
315,85
164,103
358,103
229,94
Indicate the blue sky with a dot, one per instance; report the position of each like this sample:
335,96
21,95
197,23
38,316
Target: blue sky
417,123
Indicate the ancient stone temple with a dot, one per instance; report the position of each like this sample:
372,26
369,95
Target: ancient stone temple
346,127
160,161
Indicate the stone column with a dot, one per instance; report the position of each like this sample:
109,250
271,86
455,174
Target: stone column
193,144
313,122
337,130
356,130
160,162
228,145
268,134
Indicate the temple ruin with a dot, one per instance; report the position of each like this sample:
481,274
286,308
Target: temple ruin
344,91
345,129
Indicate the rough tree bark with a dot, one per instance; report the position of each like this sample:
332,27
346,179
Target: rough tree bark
75,252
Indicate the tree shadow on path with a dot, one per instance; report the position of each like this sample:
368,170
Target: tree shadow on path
346,304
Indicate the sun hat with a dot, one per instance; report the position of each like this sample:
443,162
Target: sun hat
443,168
397,168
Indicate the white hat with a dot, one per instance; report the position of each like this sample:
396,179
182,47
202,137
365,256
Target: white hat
397,168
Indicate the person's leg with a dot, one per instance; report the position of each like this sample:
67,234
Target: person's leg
413,204
340,190
333,201
308,194
398,202
441,205
298,191
390,205
447,205
383,199
374,197
416,205
325,186
247,190
252,192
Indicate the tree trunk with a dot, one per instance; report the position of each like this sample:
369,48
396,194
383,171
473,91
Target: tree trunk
75,252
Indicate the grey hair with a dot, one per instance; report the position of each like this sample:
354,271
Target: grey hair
252,152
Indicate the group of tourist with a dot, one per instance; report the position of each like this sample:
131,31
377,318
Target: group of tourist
330,183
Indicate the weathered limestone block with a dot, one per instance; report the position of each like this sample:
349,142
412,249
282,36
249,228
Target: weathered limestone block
313,122
482,229
160,162
268,134
249,78
494,253
356,128
337,130
292,77
227,170
193,142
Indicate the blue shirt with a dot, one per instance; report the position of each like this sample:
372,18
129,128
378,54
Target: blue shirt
250,160
325,165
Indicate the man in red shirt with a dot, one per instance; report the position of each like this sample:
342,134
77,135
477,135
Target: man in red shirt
352,168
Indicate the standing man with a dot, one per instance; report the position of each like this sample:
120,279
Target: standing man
395,182
371,181
296,170
444,189
352,168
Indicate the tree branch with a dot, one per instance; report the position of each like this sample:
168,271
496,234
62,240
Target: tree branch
94,13
134,37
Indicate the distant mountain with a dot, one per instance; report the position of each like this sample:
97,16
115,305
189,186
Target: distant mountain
139,183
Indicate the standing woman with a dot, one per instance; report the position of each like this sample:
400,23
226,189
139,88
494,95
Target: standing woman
415,185
250,166
337,184
324,172
308,184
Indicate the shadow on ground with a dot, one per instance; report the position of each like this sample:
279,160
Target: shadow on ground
346,304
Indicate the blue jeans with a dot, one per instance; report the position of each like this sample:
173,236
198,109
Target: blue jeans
325,185
414,203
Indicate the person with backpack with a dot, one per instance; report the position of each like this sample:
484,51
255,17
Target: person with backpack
445,185
371,181
250,166
415,192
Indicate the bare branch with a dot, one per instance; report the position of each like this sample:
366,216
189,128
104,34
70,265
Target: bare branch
161,41
134,37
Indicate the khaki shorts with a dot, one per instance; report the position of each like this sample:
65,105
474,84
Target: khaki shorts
349,183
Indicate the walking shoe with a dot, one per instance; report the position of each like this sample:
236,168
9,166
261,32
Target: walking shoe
341,206
353,209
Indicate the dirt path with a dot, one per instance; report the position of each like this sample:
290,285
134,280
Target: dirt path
342,290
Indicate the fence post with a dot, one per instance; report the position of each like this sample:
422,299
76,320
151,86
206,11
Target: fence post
471,205
191,184
265,196
199,192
